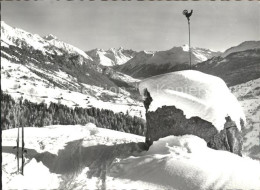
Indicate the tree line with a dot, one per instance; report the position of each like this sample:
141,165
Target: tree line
29,114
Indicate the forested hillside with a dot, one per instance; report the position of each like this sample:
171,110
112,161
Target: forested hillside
28,114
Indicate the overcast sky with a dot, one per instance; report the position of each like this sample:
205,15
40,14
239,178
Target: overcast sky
149,25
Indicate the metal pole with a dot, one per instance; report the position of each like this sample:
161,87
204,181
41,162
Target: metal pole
189,43
188,15
22,148
17,151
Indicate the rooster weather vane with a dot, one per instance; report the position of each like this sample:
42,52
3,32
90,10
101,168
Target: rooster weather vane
188,15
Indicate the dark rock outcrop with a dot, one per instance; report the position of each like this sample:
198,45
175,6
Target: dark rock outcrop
229,138
169,120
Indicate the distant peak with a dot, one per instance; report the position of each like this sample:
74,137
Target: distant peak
3,22
50,37
248,43
99,49
4,25
116,49
148,52
185,47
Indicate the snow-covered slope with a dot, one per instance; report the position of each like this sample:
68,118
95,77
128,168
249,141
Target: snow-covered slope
53,40
16,36
248,95
198,54
27,82
112,56
146,64
196,93
242,47
49,70
86,157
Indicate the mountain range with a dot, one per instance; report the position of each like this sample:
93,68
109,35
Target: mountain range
146,64
46,69
111,57
114,68
247,45
53,54
236,65
235,68
105,68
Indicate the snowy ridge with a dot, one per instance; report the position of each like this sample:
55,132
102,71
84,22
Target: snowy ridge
185,47
203,54
111,57
181,54
146,64
118,56
18,37
247,45
69,48
46,78
15,36
196,93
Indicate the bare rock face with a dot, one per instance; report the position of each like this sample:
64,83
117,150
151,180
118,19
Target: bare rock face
168,120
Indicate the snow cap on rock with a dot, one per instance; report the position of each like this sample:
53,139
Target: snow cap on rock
196,93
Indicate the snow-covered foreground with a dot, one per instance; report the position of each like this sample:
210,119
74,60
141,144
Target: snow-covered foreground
187,163
86,157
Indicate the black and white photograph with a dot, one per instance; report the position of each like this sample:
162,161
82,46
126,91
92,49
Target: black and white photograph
130,95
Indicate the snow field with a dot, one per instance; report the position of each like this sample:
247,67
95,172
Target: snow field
39,90
183,162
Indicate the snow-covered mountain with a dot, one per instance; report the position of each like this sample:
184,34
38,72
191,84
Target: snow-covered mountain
87,157
53,40
112,56
236,65
49,43
146,64
247,45
49,70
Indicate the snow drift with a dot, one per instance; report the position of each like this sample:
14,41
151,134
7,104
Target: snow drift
185,163
196,93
